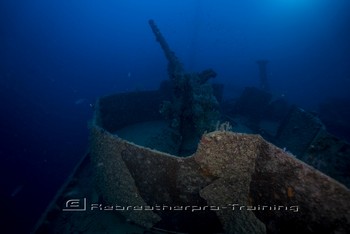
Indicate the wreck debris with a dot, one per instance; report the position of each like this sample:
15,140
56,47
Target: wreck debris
335,114
298,131
253,103
250,185
304,135
193,108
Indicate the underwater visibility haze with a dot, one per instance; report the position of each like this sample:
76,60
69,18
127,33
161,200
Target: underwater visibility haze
58,57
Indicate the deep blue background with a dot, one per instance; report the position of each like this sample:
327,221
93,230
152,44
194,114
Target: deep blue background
57,57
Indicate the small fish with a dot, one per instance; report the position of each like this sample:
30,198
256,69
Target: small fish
17,190
80,101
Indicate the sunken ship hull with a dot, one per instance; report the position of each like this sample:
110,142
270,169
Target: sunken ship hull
175,160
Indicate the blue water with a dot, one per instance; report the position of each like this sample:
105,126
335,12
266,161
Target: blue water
58,57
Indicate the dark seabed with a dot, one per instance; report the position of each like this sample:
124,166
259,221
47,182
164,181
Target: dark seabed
58,57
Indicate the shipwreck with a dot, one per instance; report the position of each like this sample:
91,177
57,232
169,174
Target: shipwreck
181,159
